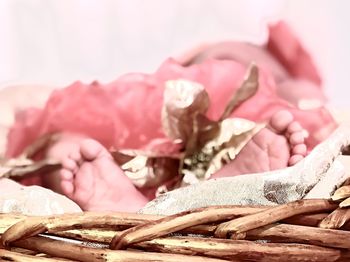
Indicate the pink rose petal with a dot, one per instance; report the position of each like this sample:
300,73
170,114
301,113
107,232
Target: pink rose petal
287,48
127,112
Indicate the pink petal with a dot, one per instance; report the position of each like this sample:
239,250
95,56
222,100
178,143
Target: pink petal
288,50
127,112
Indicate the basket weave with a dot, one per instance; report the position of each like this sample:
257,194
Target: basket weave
304,230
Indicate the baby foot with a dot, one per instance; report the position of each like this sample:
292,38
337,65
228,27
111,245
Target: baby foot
279,145
92,179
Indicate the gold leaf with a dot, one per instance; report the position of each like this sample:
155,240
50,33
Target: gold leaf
183,100
46,165
248,88
23,165
39,144
215,143
147,169
235,133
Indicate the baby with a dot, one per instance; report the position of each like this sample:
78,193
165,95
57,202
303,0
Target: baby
91,177
126,114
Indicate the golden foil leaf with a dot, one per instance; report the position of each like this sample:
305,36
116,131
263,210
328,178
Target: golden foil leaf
4,170
23,165
147,169
40,144
235,134
43,166
183,100
215,143
247,89
206,144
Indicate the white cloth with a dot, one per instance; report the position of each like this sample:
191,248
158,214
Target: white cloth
33,200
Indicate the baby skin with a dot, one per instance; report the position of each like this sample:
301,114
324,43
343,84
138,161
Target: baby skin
91,178
277,146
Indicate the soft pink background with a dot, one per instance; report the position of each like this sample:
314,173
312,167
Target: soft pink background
59,41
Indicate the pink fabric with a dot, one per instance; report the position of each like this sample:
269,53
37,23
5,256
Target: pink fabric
283,55
127,112
287,48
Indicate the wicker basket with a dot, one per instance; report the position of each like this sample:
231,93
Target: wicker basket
304,230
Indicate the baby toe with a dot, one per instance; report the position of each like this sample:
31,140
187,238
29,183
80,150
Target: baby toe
67,187
296,138
281,120
294,127
66,174
295,159
299,149
91,149
76,156
69,164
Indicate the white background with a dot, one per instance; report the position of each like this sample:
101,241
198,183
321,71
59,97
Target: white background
59,41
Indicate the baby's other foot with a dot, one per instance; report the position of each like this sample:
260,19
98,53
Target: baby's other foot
92,179
277,146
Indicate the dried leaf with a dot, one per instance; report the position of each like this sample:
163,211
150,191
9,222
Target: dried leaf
125,155
23,165
234,134
25,158
222,145
196,160
17,162
39,144
183,100
46,165
215,143
248,88
4,171
206,142
147,169
204,130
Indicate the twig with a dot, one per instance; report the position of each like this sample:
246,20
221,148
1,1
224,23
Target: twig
272,215
6,255
82,253
221,248
341,193
311,220
247,89
301,234
336,219
177,222
240,249
32,226
345,203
